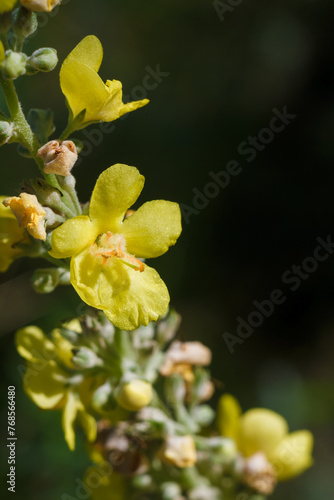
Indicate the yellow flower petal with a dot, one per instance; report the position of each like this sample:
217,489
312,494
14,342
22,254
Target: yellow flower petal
72,411
68,418
6,5
126,296
64,348
153,228
72,237
116,189
2,52
85,278
228,416
261,430
29,213
33,345
89,52
46,387
142,299
84,89
293,455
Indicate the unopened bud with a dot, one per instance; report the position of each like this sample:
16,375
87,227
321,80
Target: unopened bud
25,23
102,399
47,195
58,157
14,65
175,388
85,358
44,59
203,415
45,280
134,395
6,131
40,5
170,491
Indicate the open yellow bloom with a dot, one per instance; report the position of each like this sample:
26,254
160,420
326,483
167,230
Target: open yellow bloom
104,247
47,383
262,431
29,214
6,5
40,5
85,90
10,235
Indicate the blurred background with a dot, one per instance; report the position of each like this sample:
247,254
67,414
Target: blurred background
217,74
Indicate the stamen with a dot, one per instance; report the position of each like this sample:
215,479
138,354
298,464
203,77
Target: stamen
113,245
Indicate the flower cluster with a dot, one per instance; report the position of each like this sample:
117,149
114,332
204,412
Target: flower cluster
109,382
139,394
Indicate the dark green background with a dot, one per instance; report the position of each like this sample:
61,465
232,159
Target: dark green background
225,77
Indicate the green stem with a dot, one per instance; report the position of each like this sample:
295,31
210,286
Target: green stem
23,129
68,131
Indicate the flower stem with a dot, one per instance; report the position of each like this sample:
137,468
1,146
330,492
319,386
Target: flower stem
22,126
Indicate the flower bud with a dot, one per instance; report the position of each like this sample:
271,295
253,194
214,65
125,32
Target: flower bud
44,59
45,280
175,389
58,157
170,491
203,415
40,5
85,358
6,131
25,23
134,395
14,65
103,399
179,451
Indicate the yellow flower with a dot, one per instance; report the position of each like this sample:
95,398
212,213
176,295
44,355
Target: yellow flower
104,248
29,214
10,235
85,90
40,5
6,5
48,384
261,431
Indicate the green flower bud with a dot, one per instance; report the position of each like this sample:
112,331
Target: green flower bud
25,23
85,358
45,280
6,131
46,194
175,389
44,59
14,65
103,399
134,395
170,491
203,415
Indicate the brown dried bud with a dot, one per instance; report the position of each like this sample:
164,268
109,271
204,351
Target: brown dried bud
58,157
258,473
40,5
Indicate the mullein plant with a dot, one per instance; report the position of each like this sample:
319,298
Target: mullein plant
118,372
